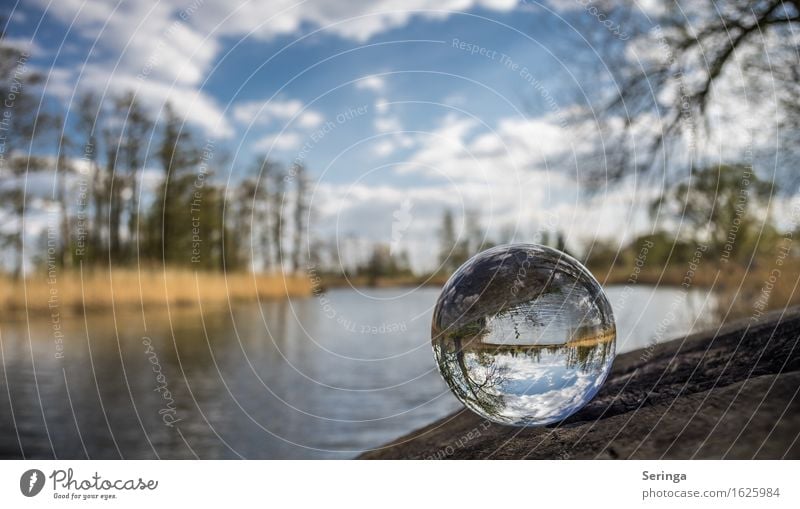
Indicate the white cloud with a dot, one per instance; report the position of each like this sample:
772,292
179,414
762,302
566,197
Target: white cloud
172,44
279,141
374,83
384,148
145,48
389,145
310,119
381,105
460,148
387,124
263,113
507,175
140,38
196,107
535,202
23,44
650,7
358,21
184,34
60,82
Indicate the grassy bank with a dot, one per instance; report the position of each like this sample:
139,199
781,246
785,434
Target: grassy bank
669,276
740,291
749,293
100,289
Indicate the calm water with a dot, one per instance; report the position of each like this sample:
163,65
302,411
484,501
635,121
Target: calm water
323,377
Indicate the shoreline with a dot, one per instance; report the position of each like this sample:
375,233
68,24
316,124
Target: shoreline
123,288
69,293
153,287
672,277
729,394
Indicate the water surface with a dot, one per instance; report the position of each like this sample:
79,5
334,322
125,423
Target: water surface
322,377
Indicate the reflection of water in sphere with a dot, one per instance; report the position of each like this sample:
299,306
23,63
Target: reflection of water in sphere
523,335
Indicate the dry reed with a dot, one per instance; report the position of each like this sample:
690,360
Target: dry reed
69,292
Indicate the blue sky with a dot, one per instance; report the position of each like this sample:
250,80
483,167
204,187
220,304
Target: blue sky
386,102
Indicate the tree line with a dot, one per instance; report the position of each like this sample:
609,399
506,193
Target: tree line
98,211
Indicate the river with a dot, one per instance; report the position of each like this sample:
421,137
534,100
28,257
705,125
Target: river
320,377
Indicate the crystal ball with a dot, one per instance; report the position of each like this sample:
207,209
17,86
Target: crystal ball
523,335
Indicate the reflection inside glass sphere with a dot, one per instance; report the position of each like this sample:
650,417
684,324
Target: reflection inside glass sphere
523,335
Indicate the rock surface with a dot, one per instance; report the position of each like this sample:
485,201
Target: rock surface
730,393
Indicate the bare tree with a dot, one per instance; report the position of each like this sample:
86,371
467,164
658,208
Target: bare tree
133,150
268,170
667,75
113,199
89,123
63,171
245,209
178,154
301,207
277,205
21,124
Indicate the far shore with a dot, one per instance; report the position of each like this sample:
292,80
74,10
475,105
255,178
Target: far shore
668,277
70,292
67,292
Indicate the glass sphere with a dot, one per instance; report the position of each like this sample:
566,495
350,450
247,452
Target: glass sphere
523,335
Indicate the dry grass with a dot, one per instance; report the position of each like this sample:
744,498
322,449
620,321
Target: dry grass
742,294
671,276
148,288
